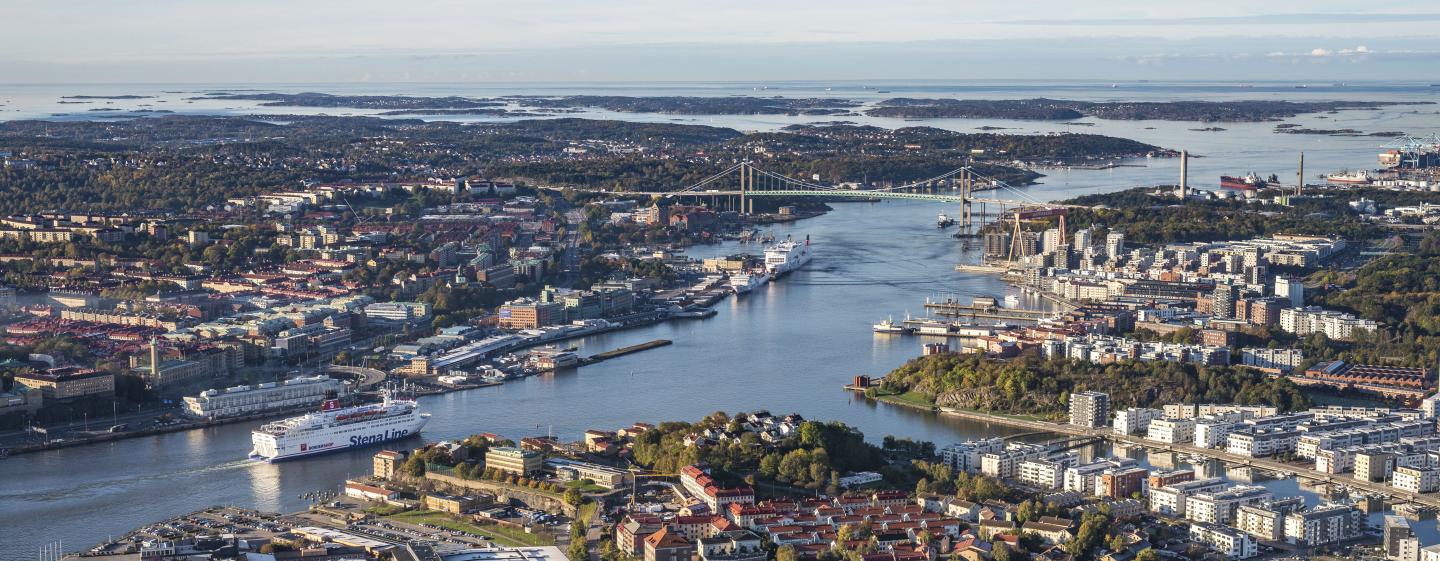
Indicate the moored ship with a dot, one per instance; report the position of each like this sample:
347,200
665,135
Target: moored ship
743,283
1349,177
1250,182
787,256
336,428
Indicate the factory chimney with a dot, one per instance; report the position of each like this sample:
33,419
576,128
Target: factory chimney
1184,174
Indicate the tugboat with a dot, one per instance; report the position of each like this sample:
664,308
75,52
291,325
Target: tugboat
944,221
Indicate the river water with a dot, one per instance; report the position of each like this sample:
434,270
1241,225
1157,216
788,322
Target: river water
788,347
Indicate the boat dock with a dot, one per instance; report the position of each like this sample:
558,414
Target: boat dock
622,351
951,308
980,268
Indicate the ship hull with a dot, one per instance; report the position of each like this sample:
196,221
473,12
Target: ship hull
279,449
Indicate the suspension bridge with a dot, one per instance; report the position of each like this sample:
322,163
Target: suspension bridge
737,186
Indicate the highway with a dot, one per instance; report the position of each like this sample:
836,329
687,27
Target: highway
1430,500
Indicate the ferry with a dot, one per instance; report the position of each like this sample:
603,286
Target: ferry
1349,177
750,280
336,428
1250,182
787,256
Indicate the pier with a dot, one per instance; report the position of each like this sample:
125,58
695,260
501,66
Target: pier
622,351
951,308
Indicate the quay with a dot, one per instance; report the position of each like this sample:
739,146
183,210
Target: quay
622,351
950,308
1299,471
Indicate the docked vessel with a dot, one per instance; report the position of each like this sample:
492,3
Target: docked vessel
889,326
1349,177
1250,182
944,221
336,428
743,283
787,256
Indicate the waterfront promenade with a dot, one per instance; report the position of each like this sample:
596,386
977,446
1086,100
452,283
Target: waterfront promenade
1430,500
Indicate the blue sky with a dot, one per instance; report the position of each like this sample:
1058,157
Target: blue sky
651,40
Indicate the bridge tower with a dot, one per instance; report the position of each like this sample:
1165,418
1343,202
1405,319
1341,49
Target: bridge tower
966,186
747,182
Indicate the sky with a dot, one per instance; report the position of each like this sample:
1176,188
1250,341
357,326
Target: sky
289,41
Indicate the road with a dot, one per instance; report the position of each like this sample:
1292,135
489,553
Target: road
1431,500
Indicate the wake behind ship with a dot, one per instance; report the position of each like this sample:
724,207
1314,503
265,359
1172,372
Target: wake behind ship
336,428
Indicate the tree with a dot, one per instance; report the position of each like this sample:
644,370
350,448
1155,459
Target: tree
1147,554
578,551
787,553
1001,552
573,496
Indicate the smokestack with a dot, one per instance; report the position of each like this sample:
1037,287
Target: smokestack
1300,181
1184,173
154,359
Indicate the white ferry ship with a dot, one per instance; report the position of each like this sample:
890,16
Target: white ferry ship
745,282
336,428
787,256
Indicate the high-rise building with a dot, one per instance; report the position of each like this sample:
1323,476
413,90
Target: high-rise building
997,244
1399,539
1291,289
1082,239
1223,300
1050,240
1090,409
1114,245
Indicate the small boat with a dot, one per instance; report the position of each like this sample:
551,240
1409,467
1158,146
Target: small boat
944,221
889,326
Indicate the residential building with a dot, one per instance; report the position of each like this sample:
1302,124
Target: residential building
513,460
1229,542
1135,420
1089,409
1171,431
1220,507
1416,479
386,463
68,382
1170,500
1325,524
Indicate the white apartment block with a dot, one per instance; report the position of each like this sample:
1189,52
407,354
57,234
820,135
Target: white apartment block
1220,507
1170,499
1324,524
1135,420
1260,443
1229,542
965,456
1416,479
1171,431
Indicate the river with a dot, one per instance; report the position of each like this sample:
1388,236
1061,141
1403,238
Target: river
788,347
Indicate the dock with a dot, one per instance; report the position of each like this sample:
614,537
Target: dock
978,268
622,351
951,308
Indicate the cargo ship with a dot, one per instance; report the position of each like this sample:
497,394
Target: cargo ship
1250,182
1349,177
335,428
